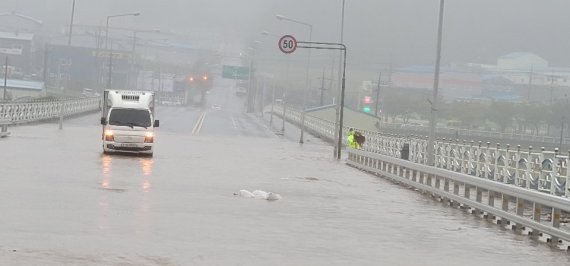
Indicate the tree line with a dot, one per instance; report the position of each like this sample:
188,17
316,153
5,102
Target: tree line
529,118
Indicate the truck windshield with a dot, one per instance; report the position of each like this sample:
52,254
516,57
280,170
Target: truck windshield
130,117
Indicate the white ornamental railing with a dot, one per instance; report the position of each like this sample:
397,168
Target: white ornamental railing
17,113
532,169
419,129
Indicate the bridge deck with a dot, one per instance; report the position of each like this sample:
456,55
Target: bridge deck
65,203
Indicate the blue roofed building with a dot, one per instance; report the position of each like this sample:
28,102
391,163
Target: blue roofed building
16,89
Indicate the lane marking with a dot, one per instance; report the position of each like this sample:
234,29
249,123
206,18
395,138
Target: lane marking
198,125
201,123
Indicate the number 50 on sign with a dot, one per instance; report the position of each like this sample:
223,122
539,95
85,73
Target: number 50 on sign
287,44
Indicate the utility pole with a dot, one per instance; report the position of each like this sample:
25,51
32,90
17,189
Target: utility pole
378,94
283,114
249,107
131,81
5,79
530,83
109,82
44,72
261,96
160,85
561,133
98,63
552,89
390,70
322,87
332,78
272,102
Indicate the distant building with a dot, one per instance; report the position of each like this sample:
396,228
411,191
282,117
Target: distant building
16,22
520,61
19,48
453,83
72,68
525,69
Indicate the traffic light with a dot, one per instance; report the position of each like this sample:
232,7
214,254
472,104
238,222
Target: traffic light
366,104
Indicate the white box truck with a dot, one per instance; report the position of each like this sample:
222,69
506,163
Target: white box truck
128,121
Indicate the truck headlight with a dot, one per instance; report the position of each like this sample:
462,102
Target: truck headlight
109,135
149,137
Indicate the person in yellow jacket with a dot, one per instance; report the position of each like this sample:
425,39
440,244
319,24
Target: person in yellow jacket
350,139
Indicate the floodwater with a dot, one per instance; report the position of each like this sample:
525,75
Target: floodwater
64,203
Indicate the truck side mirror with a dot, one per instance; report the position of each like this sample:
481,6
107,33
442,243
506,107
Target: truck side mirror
103,121
156,123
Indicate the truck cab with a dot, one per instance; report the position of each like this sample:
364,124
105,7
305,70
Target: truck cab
128,122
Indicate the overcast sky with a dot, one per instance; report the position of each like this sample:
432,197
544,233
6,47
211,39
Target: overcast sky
377,32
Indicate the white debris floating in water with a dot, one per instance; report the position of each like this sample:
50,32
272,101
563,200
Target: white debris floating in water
245,194
273,196
258,194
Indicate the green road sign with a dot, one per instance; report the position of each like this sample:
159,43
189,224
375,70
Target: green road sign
235,72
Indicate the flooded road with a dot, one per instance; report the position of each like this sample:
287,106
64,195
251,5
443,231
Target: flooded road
64,203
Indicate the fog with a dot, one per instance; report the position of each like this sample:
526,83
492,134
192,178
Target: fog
376,32
381,36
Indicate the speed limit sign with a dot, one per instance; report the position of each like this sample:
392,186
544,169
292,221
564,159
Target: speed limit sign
287,44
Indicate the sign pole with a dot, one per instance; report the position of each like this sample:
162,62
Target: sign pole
288,44
341,111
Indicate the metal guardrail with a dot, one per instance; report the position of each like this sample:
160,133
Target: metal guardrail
18,113
475,133
542,171
456,188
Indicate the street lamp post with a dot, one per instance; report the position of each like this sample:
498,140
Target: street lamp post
281,17
107,41
135,14
71,23
432,120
